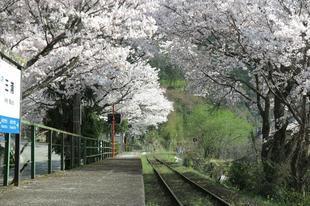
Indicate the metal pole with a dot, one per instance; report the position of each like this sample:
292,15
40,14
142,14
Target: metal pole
113,131
72,152
6,172
62,155
17,139
85,152
101,149
50,140
17,160
33,154
79,151
98,150
77,122
104,150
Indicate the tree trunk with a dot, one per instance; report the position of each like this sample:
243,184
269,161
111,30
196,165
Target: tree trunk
273,153
287,159
300,162
253,140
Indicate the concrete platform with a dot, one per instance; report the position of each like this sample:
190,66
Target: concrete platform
129,155
109,182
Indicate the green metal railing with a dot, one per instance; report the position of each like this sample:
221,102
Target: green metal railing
74,150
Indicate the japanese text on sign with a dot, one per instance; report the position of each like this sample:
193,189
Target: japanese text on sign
10,78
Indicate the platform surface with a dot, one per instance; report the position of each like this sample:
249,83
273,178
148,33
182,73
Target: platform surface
129,155
109,182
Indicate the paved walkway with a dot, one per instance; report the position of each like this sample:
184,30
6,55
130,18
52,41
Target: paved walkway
109,182
129,155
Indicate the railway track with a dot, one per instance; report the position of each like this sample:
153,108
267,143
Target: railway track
182,190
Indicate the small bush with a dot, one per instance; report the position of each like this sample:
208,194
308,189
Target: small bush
216,168
191,159
246,176
291,198
249,176
187,162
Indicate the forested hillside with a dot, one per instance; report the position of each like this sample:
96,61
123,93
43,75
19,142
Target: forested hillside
213,130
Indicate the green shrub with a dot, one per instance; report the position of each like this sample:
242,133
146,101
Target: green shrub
306,200
216,168
291,198
187,162
246,176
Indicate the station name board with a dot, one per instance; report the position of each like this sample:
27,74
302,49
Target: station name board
10,84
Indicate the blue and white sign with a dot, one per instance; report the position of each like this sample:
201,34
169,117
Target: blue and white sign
10,82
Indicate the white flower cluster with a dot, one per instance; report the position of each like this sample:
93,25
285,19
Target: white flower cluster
85,44
254,49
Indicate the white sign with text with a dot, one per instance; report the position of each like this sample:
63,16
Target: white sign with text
10,83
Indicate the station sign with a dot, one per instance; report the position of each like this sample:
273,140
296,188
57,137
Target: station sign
10,95
117,117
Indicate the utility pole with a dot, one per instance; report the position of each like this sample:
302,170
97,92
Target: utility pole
113,131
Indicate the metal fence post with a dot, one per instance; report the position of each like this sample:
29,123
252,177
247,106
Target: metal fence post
50,140
72,152
101,149
98,151
94,150
79,151
17,160
108,149
91,153
85,152
33,154
62,154
111,149
6,171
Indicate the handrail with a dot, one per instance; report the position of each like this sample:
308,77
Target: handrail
57,130
72,149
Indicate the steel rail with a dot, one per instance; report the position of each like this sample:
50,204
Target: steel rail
163,182
214,196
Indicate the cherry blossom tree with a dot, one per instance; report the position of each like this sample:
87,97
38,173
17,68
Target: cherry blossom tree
253,51
74,46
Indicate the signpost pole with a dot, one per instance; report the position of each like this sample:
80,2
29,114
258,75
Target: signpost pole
10,105
6,172
17,160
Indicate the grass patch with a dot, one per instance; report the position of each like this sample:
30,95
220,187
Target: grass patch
174,84
154,193
149,180
257,200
